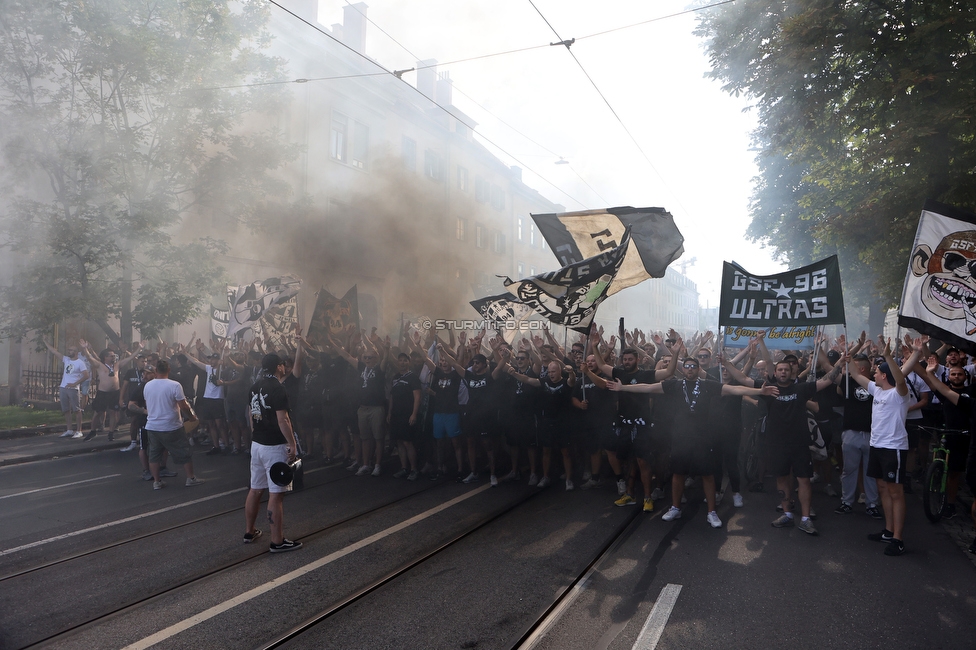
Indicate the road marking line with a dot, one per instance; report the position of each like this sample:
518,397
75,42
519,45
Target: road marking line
54,487
658,618
10,551
220,608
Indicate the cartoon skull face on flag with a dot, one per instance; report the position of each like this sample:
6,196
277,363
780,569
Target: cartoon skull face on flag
249,303
948,277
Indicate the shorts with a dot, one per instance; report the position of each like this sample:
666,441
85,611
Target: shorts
447,425
371,420
85,387
593,435
236,410
479,423
958,446
172,441
401,430
914,433
143,438
790,459
209,408
105,400
553,433
70,400
887,465
702,460
628,439
262,458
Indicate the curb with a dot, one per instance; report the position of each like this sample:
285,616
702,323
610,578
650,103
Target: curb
91,448
27,432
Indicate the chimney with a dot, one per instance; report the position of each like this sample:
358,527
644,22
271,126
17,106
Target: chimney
445,89
306,9
427,77
354,26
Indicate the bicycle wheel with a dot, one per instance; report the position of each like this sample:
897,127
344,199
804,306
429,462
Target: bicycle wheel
934,498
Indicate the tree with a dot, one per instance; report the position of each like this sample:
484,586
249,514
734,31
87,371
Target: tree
866,109
119,120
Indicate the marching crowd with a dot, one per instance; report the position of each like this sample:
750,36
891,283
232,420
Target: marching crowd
646,415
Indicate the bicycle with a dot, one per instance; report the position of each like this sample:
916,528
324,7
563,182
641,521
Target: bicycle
937,474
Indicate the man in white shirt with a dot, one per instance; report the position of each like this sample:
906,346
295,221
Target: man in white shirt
75,374
164,425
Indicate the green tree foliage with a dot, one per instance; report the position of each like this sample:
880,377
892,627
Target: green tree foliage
866,109
127,128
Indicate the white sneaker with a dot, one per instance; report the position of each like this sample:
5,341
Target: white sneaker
132,446
470,478
587,476
193,480
569,485
544,482
815,477
493,480
672,514
67,434
511,476
862,498
77,434
657,494
718,497
737,500
621,487
363,471
376,471
713,520
533,480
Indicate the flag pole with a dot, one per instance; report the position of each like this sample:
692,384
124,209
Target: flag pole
847,371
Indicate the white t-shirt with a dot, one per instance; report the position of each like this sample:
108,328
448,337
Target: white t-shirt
888,417
916,385
211,391
162,399
74,370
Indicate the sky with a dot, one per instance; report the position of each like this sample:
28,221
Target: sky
681,142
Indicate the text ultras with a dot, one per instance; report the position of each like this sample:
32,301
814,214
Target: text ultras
786,304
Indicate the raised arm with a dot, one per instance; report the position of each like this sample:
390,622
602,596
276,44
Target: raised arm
832,375
676,349
936,385
525,379
617,386
896,372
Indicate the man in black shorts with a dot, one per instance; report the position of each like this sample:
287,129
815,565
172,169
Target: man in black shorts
405,396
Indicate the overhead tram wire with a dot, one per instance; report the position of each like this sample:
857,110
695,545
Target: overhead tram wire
475,102
443,108
568,44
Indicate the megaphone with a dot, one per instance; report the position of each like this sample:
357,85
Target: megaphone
283,474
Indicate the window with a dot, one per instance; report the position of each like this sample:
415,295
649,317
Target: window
519,224
408,151
532,270
339,137
498,242
433,166
497,197
521,270
532,234
360,145
482,190
479,236
462,229
462,178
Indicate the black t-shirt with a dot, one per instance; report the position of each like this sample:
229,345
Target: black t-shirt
479,391
634,407
555,398
786,418
334,372
372,386
134,377
445,386
310,391
267,397
185,376
401,394
601,404
857,407
729,409
957,416
138,396
692,406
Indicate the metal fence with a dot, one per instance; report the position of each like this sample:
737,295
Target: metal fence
39,385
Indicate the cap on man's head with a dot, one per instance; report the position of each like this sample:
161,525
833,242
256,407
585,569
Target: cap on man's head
885,370
833,356
270,362
791,357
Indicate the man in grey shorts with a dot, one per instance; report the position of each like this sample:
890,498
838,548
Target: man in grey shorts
75,374
164,424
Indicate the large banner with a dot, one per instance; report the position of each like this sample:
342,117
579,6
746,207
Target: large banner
248,303
811,295
505,312
654,240
776,338
277,327
570,296
332,316
939,298
219,317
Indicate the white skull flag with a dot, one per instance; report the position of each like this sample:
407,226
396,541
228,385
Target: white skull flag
939,297
655,241
505,312
570,296
248,303
218,321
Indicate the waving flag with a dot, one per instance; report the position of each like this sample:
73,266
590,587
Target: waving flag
332,316
248,303
506,312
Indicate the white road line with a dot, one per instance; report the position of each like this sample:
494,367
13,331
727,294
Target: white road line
658,618
42,542
220,608
55,487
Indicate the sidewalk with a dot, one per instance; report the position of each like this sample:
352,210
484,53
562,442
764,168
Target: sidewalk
42,443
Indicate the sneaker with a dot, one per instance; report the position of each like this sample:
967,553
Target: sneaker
400,473
427,468
90,435
884,536
147,475
713,520
376,471
806,527
285,546
657,494
779,506
625,500
569,485
895,547
214,451
412,476
363,471
815,477
434,475
77,435
533,480
250,537
783,521
544,482
648,504
621,487
830,491
511,476
459,478
737,500
587,476
352,466
874,512
68,433
193,480
843,509
949,511
493,480
862,498
718,497
590,484
470,478
164,471
158,485
672,514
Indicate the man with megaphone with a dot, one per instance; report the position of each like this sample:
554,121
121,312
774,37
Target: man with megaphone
272,442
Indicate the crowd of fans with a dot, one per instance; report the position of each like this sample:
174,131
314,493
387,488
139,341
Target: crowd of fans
642,417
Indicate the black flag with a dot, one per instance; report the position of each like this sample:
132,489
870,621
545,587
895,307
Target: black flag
811,295
571,295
